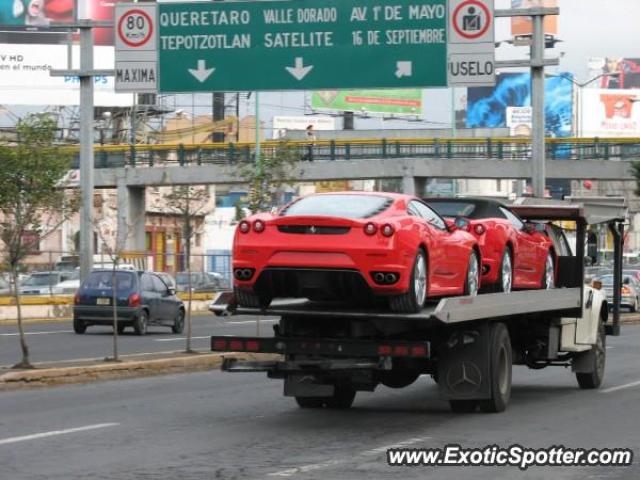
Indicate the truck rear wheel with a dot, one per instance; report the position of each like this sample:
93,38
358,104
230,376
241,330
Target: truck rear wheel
342,398
500,365
593,379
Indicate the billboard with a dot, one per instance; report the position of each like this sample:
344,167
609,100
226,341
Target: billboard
610,113
487,106
29,21
393,101
281,125
25,78
523,26
615,72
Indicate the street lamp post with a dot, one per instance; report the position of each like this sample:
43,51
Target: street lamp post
580,85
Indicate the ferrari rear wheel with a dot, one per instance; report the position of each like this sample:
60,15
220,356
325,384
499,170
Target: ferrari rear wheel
472,282
505,280
414,299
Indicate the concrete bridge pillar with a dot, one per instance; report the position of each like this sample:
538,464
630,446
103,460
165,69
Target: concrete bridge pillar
131,216
414,185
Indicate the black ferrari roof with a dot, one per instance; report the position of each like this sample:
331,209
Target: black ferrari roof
481,207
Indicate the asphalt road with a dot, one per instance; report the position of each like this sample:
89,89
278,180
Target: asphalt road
56,341
238,426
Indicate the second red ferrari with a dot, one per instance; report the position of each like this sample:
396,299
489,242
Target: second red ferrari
354,246
515,254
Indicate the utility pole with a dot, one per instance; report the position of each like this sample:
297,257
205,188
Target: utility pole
536,64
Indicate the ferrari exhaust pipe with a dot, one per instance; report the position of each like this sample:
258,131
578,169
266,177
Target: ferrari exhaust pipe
378,277
390,278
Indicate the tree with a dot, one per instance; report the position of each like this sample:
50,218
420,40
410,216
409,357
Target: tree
188,202
270,175
113,242
33,201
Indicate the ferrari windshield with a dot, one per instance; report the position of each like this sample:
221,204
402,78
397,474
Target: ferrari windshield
346,206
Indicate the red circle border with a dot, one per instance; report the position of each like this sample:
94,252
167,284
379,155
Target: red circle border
144,40
483,7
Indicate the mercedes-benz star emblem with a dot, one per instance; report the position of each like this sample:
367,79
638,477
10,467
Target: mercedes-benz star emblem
464,378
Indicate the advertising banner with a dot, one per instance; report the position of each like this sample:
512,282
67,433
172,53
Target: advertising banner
523,26
29,21
281,125
487,106
25,78
520,121
615,72
610,113
393,101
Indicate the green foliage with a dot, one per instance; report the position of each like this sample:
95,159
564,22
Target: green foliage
635,171
31,174
239,211
269,176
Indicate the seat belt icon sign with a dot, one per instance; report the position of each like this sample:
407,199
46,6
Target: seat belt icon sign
472,21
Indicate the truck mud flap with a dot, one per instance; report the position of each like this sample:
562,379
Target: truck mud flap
464,364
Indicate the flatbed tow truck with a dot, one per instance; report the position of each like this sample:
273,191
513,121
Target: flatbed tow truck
467,344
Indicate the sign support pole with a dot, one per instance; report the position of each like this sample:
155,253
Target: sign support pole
538,173
86,153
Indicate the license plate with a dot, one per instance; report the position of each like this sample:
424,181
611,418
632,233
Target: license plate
103,301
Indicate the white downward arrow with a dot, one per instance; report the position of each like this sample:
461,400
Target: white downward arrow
299,71
202,72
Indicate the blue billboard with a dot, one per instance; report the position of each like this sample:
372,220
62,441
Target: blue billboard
487,106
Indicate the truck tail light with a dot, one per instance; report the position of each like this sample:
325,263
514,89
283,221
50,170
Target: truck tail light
625,290
219,345
134,300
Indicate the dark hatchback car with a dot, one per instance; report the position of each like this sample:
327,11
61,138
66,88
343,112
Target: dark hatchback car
142,298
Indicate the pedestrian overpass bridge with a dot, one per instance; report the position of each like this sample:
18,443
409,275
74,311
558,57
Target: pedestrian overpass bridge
472,158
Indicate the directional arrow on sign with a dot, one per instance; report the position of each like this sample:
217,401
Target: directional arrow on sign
299,71
202,72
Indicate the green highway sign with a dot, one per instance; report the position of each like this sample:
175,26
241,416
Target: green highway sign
301,45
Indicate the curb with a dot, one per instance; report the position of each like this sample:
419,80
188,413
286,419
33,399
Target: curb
13,380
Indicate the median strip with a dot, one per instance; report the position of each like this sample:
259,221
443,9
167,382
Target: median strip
178,363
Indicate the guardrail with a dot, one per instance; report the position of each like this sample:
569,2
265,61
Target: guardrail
617,149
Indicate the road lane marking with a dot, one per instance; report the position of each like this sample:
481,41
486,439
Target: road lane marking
53,433
290,472
175,339
621,387
15,334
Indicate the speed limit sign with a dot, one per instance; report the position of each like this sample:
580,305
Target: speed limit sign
136,62
135,27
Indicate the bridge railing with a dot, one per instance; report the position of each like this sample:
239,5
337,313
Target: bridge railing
615,149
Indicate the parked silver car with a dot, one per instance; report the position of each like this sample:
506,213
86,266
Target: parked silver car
630,291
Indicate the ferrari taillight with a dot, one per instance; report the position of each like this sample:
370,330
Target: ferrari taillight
244,226
370,228
258,226
387,230
479,229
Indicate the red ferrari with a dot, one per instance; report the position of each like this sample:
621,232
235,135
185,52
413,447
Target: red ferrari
354,246
515,254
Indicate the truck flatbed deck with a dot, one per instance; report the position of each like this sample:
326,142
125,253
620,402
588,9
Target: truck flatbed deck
448,310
